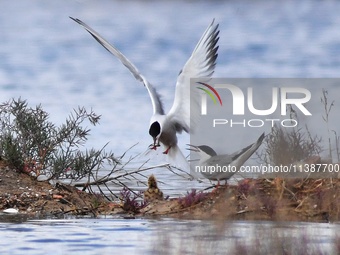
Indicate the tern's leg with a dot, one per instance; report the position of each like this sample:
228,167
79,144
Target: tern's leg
154,146
216,187
167,150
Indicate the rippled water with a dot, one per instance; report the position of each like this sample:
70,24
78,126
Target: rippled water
46,58
165,236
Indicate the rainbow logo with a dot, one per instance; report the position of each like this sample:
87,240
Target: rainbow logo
211,92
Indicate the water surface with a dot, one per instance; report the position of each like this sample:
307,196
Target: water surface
108,235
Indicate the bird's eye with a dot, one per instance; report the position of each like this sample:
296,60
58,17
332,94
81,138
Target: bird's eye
155,129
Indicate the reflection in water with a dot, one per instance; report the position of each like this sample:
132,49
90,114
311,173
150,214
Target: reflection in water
167,236
220,237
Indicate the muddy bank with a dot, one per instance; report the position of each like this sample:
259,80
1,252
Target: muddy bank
251,199
28,196
314,200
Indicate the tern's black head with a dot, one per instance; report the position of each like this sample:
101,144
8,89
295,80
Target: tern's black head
155,129
208,150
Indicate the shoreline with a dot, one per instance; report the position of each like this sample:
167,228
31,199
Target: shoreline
306,200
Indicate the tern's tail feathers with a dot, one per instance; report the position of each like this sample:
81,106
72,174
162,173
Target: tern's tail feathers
242,156
177,159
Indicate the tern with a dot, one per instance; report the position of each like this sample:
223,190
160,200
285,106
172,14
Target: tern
164,127
231,163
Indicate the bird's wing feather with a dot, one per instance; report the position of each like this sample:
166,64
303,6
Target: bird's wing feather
201,64
236,159
222,160
155,98
239,158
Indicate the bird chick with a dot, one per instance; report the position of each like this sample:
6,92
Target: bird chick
153,192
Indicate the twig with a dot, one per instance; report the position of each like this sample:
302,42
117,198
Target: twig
107,179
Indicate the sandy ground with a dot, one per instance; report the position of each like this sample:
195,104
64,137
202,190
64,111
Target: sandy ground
252,199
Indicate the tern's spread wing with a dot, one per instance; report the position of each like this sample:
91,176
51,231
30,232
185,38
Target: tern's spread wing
155,98
201,64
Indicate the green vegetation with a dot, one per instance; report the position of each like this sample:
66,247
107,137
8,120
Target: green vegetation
31,143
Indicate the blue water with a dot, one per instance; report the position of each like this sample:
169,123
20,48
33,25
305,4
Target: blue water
165,236
47,58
